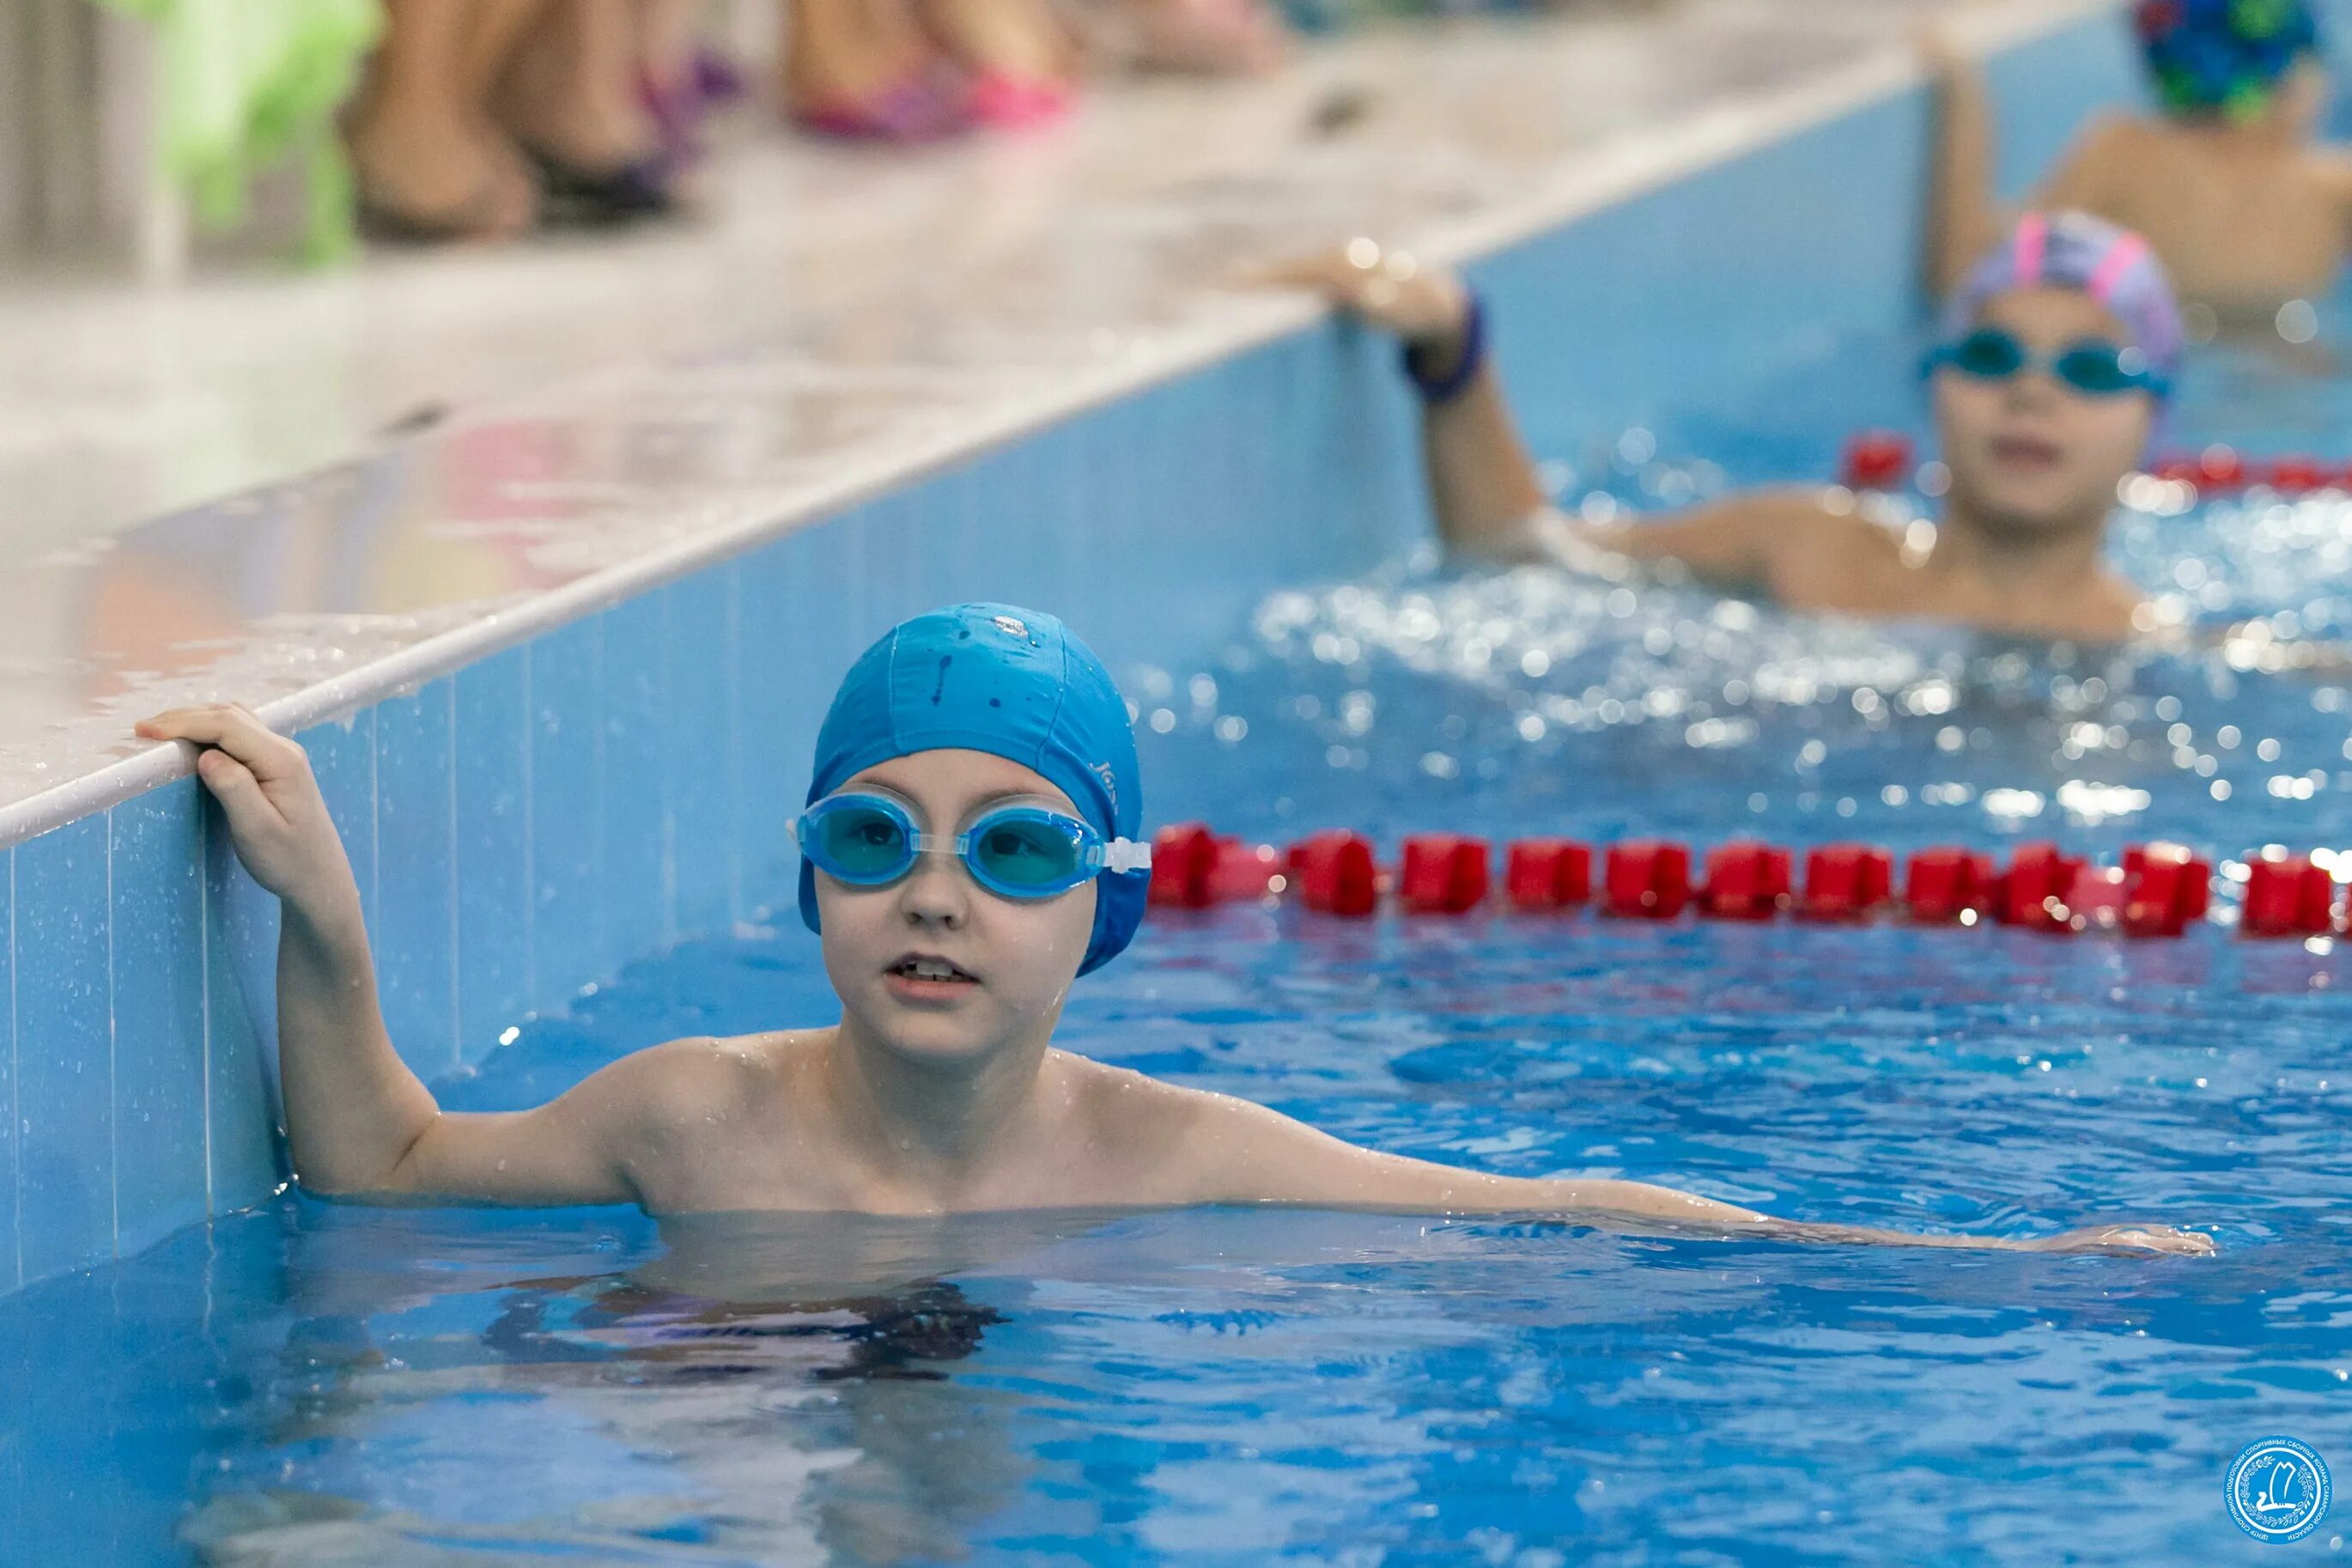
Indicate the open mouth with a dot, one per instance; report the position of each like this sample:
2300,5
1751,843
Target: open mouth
928,971
2027,452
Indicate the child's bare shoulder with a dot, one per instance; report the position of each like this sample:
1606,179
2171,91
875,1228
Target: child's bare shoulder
2331,168
2116,128
1825,525
704,1074
1160,1122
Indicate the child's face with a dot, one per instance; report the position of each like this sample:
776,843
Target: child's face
2031,454
1010,962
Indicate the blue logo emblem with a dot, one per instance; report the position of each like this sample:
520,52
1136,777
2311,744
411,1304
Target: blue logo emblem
2278,1489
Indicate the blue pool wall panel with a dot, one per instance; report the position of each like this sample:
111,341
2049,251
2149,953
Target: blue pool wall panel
525,826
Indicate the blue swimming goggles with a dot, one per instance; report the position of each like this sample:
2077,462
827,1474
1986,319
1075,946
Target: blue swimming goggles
1022,852
2093,367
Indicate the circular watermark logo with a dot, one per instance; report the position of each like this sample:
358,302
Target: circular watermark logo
2278,1489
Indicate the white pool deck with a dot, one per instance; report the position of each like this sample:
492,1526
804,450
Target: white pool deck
206,493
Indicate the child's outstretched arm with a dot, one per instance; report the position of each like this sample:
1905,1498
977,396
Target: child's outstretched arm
1250,1155
1483,485
361,1124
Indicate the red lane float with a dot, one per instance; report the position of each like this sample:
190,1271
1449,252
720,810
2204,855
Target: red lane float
2287,895
2298,476
1242,872
2035,892
2168,889
1181,856
1444,874
1941,886
1745,881
1547,874
1646,879
1194,868
1336,874
2219,468
1877,460
1846,882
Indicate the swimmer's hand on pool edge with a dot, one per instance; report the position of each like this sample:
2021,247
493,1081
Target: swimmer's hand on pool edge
276,817
1427,307
1483,485
360,1123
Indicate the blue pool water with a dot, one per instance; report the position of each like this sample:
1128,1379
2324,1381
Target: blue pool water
322,1386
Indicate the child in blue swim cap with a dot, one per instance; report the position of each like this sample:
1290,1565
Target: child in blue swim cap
2228,181
970,839
1015,685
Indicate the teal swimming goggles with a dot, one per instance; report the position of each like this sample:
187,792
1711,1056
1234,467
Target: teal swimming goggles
2093,367
1022,852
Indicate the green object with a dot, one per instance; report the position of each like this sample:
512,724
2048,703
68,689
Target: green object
247,82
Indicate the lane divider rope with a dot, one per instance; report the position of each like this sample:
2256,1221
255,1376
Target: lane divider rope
2154,890
1888,460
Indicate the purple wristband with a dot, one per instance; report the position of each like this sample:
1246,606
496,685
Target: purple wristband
1436,389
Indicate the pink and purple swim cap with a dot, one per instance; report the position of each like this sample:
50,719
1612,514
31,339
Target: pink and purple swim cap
2075,250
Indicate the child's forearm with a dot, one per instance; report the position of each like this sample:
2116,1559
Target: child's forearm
1638,1202
1961,217
1482,482
1250,1154
353,1110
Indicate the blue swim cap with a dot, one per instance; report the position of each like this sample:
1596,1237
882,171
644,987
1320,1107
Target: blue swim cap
2225,57
1013,683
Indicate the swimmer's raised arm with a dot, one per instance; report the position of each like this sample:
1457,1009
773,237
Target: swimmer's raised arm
1247,1153
1483,485
1965,216
360,1122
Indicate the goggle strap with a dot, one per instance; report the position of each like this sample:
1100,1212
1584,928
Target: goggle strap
1126,855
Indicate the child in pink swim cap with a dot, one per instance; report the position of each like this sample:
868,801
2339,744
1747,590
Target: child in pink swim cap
2057,358
2114,266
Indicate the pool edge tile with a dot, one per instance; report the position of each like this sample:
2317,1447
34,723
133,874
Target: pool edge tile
699,754
637,889
415,930
246,1151
66,1154
566,810
156,855
12,1262
492,848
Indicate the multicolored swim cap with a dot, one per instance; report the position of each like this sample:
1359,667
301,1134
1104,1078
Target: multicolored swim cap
1016,684
2075,250
2225,57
